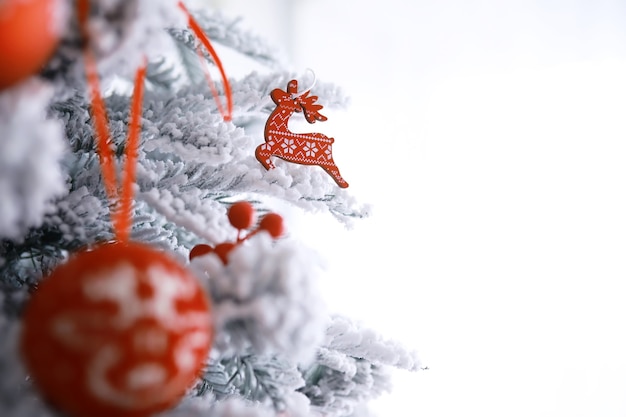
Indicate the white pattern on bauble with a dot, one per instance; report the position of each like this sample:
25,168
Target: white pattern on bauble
119,285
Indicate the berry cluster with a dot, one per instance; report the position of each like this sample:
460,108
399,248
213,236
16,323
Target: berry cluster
241,216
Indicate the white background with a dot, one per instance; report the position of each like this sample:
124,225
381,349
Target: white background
491,138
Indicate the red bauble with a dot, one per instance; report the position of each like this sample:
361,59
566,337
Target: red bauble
121,330
28,37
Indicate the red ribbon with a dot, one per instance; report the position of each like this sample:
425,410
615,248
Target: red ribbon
195,27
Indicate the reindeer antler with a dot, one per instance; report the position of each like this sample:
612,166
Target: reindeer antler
311,109
292,87
306,102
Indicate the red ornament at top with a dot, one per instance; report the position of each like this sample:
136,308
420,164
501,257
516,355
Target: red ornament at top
300,148
28,37
122,330
241,216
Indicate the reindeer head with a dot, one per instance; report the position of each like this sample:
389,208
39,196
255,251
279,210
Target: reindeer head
290,100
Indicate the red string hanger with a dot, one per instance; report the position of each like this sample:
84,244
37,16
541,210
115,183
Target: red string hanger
121,328
121,218
197,30
123,197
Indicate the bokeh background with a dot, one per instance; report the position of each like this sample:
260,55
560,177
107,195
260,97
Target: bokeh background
490,137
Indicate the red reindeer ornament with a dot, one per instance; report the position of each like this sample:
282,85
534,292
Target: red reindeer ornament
300,148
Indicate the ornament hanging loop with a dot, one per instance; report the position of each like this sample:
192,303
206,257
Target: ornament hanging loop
120,195
122,222
296,95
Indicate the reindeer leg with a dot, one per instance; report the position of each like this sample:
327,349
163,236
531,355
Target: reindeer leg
333,171
263,154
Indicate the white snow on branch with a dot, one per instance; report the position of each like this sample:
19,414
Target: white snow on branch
345,336
204,217
79,215
227,32
31,148
232,407
122,32
352,366
265,299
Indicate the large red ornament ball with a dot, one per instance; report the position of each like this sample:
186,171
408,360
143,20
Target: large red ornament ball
121,330
28,36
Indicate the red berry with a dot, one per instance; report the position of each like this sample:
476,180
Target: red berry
223,249
241,215
200,250
273,224
121,330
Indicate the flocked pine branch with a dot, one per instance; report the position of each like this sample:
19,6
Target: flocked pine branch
352,365
122,32
228,32
261,347
265,379
216,381
162,74
352,339
265,300
31,148
231,407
